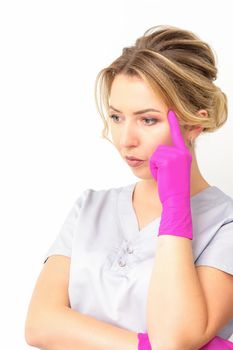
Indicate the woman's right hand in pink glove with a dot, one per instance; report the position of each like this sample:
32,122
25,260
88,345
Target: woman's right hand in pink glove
171,168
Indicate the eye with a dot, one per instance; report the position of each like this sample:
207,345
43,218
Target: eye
150,119
113,116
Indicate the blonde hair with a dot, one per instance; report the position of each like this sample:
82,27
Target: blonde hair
179,65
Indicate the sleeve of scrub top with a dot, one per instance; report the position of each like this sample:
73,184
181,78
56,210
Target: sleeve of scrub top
219,251
62,245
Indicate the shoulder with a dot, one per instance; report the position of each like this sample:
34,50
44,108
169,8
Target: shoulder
90,195
224,205
213,203
213,230
212,213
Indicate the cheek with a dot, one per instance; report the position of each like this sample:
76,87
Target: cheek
115,139
159,137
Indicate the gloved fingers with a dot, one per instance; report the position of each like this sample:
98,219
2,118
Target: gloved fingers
176,134
167,154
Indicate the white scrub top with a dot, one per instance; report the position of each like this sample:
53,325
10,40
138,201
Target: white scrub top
112,260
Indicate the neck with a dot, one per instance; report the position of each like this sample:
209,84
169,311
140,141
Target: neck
197,181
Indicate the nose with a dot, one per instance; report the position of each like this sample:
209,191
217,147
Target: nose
129,136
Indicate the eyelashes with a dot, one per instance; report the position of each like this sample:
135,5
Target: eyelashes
154,120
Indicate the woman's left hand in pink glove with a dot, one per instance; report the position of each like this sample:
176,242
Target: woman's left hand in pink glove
171,168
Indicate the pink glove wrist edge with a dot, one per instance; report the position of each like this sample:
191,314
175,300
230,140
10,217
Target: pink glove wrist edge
144,342
216,343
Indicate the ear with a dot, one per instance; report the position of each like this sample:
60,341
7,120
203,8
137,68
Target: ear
196,130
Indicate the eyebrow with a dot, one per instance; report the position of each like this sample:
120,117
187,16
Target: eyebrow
138,112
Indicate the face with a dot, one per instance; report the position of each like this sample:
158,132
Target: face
140,134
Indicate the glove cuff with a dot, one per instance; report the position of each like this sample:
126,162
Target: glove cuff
176,218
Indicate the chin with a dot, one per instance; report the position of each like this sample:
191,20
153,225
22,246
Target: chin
143,174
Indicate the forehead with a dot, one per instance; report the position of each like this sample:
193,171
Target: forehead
131,89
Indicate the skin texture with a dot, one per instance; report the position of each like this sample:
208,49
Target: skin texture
134,136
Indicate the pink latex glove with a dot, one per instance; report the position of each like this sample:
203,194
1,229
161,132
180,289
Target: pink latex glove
217,343
171,168
143,342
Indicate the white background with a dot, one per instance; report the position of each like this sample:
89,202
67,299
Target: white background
50,135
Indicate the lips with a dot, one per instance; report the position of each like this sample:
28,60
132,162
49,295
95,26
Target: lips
133,158
134,163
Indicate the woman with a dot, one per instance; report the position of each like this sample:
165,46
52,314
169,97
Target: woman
150,264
